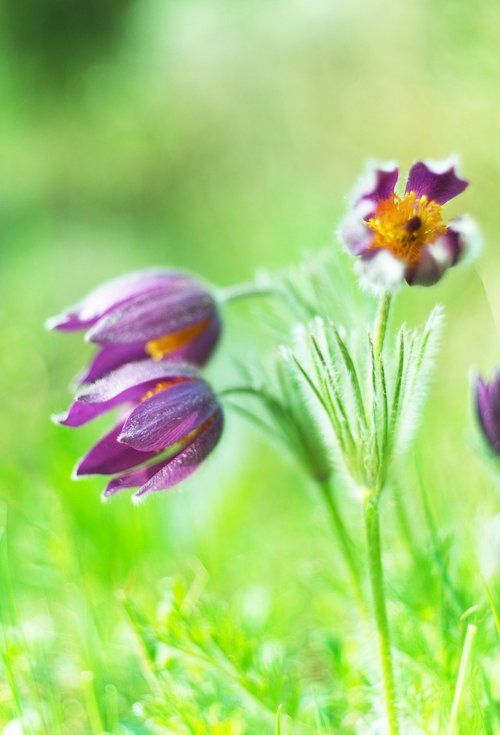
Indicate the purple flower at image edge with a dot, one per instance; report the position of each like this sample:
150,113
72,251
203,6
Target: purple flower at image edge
161,314
487,401
171,420
404,237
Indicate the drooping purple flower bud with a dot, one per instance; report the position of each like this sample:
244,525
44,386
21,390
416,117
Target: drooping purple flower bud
171,422
488,410
404,237
161,314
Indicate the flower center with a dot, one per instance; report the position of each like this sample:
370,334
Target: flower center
158,348
163,385
404,225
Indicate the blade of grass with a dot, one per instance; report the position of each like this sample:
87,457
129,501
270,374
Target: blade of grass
494,609
462,675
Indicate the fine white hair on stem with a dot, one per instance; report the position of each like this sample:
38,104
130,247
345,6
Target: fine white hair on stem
419,361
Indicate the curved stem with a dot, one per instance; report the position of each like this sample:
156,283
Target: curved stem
372,527
243,291
238,390
346,544
462,674
381,321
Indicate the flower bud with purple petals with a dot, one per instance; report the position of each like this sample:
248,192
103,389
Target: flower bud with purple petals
171,422
161,314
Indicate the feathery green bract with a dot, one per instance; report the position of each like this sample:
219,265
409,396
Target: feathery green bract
373,405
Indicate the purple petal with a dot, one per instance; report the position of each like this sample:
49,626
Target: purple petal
173,470
155,315
353,229
453,244
108,456
169,416
464,238
461,239
488,410
112,294
110,358
437,181
128,383
434,261
378,183
200,349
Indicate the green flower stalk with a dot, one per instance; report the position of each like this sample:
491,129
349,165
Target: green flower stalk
398,237
372,397
372,528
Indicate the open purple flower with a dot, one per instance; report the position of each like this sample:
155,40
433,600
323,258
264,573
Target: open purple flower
404,236
170,423
488,410
160,314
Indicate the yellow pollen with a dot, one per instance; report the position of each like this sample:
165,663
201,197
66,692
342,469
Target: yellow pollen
158,388
404,225
168,343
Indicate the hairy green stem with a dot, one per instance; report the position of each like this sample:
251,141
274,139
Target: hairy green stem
243,291
372,528
381,322
238,390
345,541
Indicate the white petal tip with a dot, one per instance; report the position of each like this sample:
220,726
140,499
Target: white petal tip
467,227
58,418
53,322
442,165
139,497
383,272
75,476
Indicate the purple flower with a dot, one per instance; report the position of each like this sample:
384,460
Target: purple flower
488,410
170,423
160,314
405,237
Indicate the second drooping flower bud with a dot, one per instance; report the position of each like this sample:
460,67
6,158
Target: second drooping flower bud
171,421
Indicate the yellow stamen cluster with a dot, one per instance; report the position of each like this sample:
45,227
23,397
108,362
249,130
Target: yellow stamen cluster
158,348
157,389
404,225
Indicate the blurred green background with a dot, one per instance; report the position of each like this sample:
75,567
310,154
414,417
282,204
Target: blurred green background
219,137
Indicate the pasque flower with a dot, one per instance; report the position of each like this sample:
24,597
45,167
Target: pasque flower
161,314
404,236
170,423
488,410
